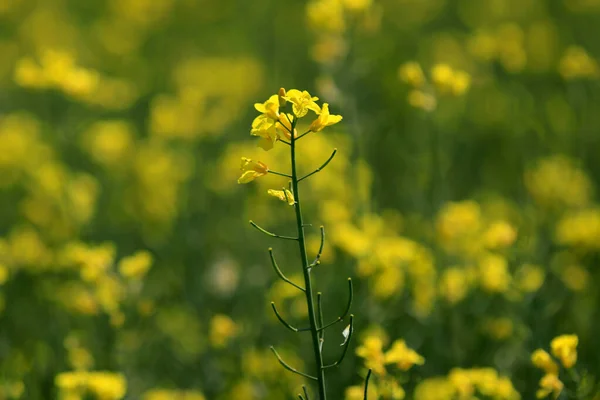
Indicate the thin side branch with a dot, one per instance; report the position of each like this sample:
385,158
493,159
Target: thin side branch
304,134
348,305
320,317
286,366
266,232
321,167
346,345
305,392
278,173
285,323
280,274
317,260
367,383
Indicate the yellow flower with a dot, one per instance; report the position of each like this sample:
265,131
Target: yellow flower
422,100
412,74
390,389
222,329
371,351
454,284
442,76
530,278
494,276
136,265
564,348
283,195
269,108
302,102
542,360
265,128
324,119
251,170
549,384
500,234
3,274
403,356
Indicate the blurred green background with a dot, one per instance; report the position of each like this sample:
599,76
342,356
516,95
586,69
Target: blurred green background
463,199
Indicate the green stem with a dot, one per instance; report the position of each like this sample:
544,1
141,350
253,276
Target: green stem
306,270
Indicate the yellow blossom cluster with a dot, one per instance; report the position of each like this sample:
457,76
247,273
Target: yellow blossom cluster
564,348
467,384
102,385
375,359
443,80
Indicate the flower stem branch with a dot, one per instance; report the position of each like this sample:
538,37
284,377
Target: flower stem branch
305,392
280,274
286,366
367,384
266,232
321,167
304,134
348,305
279,173
346,345
285,323
317,259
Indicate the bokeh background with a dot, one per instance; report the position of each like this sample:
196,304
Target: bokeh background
463,199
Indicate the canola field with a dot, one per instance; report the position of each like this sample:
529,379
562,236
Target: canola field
451,155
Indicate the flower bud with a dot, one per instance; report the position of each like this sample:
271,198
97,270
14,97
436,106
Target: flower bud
281,95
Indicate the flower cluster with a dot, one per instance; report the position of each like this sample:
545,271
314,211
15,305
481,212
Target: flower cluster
274,125
444,80
398,355
564,348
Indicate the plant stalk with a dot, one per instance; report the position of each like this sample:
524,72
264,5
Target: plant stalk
306,271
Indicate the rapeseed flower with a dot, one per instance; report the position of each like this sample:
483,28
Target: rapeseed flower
324,119
251,170
564,348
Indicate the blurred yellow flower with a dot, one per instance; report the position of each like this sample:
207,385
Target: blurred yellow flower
530,278
575,277
454,284
549,384
434,388
222,330
542,360
283,195
3,274
576,63
499,234
251,170
422,100
494,276
579,228
104,385
169,394
412,73
135,266
371,350
324,119
109,142
564,348
403,356
357,392
499,328
557,181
